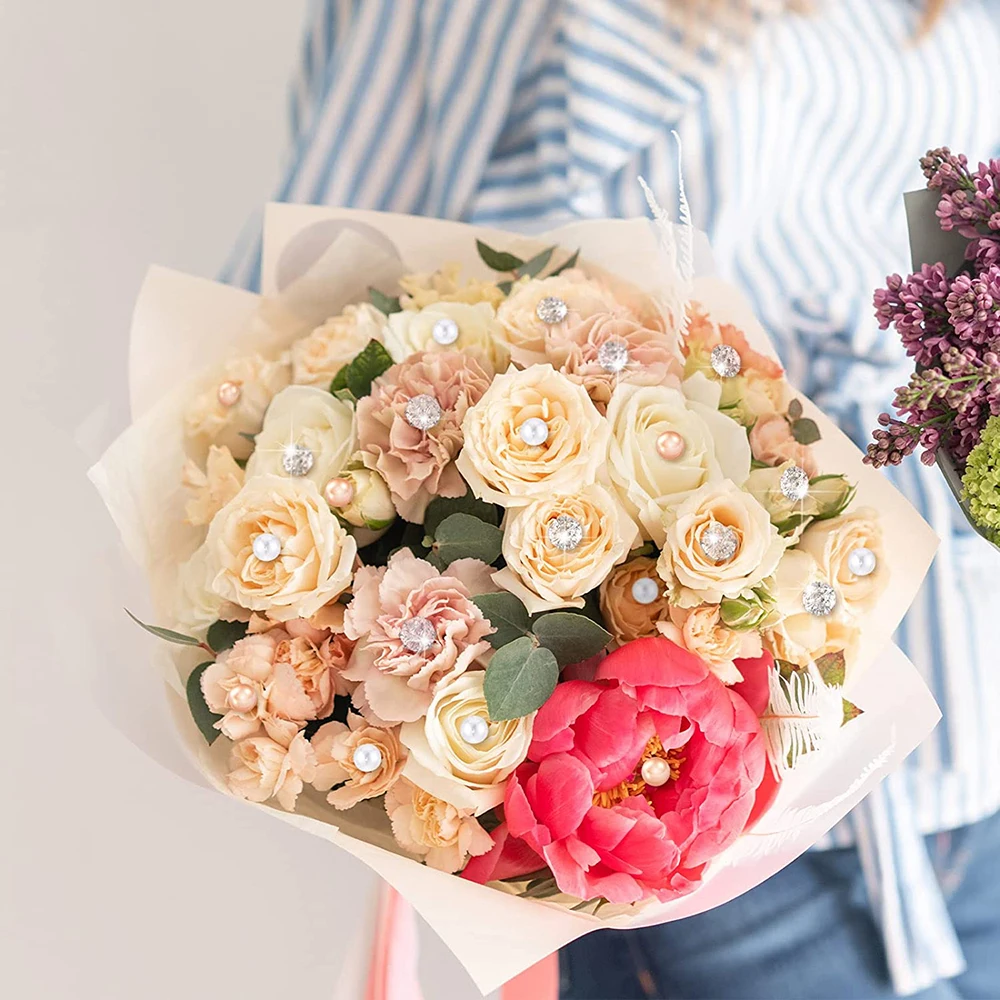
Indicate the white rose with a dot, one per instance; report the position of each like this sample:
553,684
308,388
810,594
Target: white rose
209,421
543,576
715,447
372,505
693,577
409,332
316,359
502,468
831,543
765,486
316,560
311,418
469,776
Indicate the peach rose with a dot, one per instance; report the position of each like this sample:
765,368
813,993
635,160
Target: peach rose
209,422
399,679
772,442
443,285
501,467
316,359
701,631
316,556
831,543
418,464
261,768
625,618
212,489
691,574
335,745
443,835
478,334
441,761
542,575
574,348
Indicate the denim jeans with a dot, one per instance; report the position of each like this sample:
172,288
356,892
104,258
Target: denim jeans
805,933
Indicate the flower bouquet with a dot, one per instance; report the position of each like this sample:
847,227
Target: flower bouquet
947,315
533,585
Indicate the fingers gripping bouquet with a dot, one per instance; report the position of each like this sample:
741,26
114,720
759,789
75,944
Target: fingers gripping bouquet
495,564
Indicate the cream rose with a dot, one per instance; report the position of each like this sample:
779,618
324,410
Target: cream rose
800,637
212,488
209,421
444,285
625,618
315,562
316,359
196,604
443,835
714,447
469,776
504,469
543,576
701,631
692,576
831,543
412,332
305,417
765,486
371,506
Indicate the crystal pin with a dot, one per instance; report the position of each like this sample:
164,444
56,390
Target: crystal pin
719,542
564,532
794,483
819,598
725,361
296,459
418,635
551,310
422,412
612,356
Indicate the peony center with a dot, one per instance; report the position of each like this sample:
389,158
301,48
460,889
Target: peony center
635,784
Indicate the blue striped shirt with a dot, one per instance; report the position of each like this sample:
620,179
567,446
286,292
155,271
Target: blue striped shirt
799,137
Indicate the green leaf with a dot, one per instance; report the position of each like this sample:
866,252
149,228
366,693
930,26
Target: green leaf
358,375
832,668
497,260
571,637
165,633
222,634
566,264
442,507
786,668
204,718
387,304
519,680
506,614
462,536
851,711
790,523
833,493
536,264
805,431
795,409
241,462
756,463
540,888
505,286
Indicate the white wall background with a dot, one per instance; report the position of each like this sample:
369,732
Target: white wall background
130,132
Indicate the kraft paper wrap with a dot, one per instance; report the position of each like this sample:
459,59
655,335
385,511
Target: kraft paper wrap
317,260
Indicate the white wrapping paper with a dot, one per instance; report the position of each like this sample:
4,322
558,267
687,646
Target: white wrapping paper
315,261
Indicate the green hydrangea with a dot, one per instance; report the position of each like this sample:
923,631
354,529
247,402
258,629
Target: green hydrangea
981,481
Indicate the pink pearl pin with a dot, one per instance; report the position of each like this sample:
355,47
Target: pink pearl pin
338,492
242,698
670,445
229,393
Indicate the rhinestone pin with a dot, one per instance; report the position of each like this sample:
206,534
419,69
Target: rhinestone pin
418,635
794,483
445,331
367,758
534,431
726,361
266,547
474,729
719,542
296,459
564,532
422,412
819,598
612,356
551,310
862,561
645,590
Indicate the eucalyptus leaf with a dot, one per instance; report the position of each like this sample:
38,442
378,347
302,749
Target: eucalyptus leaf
387,304
505,286
832,668
805,431
358,375
165,633
204,718
462,536
536,264
795,409
441,507
506,614
566,264
222,634
571,637
519,680
497,260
